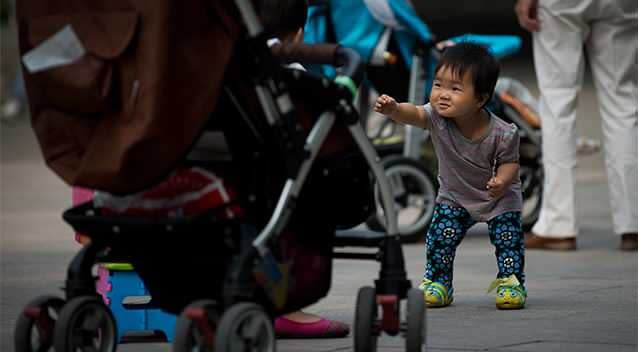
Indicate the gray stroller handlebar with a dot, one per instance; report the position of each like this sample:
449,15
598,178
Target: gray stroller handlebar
347,60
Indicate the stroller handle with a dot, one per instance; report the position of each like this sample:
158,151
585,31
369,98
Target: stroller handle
347,60
351,63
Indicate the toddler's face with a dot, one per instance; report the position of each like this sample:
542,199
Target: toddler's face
453,96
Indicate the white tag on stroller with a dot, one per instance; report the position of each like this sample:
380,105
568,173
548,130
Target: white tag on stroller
63,48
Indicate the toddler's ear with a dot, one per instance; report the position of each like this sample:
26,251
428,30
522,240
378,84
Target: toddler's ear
482,99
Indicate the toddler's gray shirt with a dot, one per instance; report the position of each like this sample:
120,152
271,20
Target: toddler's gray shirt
465,166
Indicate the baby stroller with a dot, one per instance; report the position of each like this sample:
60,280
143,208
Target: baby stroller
226,277
399,48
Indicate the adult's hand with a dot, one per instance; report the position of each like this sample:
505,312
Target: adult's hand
527,13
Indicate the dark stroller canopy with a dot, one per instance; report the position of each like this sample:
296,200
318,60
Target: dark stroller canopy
125,110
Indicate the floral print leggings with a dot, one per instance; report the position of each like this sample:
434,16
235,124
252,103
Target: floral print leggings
448,227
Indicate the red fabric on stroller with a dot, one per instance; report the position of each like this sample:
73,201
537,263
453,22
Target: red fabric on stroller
188,191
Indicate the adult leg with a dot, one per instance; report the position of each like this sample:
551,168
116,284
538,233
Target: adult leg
448,227
559,63
506,235
612,49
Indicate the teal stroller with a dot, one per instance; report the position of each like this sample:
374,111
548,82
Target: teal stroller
398,48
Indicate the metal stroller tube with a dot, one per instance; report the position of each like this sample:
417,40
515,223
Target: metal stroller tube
392,285
292,187
350,63
249,17
379,173
353,68
413,135
347,60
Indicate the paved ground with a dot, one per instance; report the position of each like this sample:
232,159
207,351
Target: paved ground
581,301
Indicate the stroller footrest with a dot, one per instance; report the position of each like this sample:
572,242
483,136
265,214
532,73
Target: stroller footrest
124,293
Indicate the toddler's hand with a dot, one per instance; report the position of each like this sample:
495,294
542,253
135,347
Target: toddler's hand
385,105
495,187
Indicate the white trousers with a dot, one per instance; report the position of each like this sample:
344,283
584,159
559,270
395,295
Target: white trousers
607,32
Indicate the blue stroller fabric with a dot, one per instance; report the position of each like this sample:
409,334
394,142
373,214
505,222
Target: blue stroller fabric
359,24
339,16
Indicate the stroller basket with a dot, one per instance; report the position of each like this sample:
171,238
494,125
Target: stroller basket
151,246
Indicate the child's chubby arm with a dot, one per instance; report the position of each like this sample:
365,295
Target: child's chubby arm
505,174
405,113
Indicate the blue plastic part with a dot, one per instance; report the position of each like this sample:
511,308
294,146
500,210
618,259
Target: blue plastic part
137,317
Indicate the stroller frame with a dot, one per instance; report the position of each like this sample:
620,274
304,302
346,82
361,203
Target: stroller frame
276,104
83,313
392,284
392,276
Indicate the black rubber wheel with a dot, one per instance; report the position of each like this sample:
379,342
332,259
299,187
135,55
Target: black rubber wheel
196,326
415,321
365,321
532,180
245,327
85,324
36,323
414,193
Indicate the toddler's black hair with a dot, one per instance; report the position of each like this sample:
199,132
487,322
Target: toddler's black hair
475,59
283,17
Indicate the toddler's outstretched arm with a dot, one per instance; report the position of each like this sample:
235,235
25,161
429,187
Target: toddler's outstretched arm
405,113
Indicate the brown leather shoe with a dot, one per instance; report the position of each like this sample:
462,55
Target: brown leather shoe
534,241
629,242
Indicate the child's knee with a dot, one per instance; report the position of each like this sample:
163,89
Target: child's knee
444,235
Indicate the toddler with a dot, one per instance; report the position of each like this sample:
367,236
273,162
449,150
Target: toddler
477,154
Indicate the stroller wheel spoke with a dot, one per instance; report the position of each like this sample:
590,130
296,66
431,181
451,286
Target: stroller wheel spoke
416,201
196,326
90,348
92,321
251,329
85,324
396,181
245,327
78,339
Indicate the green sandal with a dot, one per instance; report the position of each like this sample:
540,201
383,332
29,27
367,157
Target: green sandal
436,295
510,294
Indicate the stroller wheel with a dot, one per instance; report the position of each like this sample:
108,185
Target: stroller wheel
532,188
245,327
414,194
415,318
34,328
366,329
196,326
85,324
